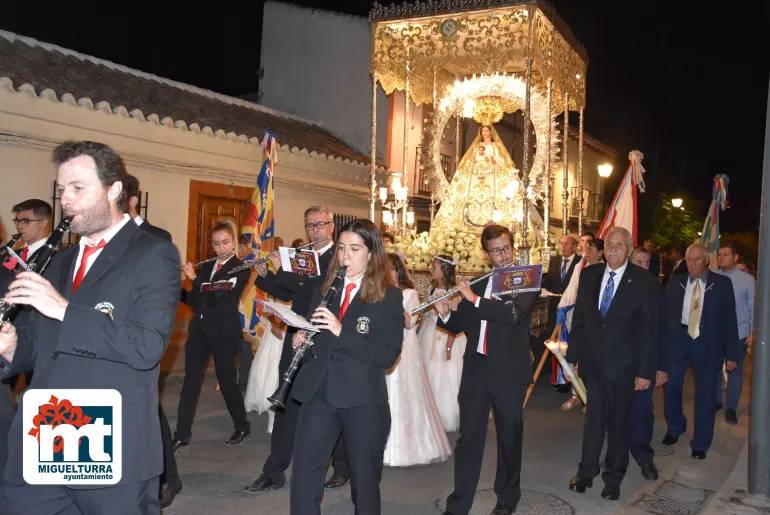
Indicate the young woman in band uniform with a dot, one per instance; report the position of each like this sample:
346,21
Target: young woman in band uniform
341,385
215,329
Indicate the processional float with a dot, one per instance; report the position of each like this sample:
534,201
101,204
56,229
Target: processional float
483,59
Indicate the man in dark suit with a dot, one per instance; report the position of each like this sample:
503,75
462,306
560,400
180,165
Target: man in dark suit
288,286
556,280
678,263
642,414
170,482
649,246
702,330
496,372
614,344
104,317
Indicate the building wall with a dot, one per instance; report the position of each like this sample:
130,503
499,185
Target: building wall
316,65
164,159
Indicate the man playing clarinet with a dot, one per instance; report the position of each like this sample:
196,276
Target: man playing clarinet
496,372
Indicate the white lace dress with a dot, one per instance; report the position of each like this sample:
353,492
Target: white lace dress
444,375
417,436
263,377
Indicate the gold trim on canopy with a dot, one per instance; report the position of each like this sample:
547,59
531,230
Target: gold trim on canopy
466,37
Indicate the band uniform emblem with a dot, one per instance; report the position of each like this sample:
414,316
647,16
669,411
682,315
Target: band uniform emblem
362,325
106,308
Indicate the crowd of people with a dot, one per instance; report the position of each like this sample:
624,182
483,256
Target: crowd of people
383,383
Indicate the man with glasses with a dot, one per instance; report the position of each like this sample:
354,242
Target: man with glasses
288,286
32,219
496,372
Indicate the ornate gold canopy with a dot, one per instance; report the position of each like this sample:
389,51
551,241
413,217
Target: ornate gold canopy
443,40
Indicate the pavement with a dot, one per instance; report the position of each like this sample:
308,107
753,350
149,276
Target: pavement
214,475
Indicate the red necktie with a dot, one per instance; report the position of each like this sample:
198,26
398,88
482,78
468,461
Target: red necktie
219,267
24,253
87,251
346,301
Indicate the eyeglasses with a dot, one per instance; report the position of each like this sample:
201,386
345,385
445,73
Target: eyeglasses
317,225
496,252
24,221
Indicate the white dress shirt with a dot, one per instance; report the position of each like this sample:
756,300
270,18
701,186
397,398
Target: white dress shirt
33,247
216,265
138,219
688,296
569,263
615,281
324,249
355,290
85,240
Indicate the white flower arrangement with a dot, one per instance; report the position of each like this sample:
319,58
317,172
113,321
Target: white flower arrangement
456,242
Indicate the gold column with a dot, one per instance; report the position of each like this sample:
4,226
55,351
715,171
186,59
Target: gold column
406,144
524,248
373,164
547,203
580,172
565,182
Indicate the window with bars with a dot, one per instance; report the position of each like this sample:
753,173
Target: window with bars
340,219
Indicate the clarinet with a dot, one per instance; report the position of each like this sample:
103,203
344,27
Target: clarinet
4,248
278,399
38,264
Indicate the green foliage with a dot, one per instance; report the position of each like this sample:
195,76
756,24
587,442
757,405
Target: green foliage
674,226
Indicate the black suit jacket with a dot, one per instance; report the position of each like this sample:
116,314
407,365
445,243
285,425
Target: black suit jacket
157,231
297,289
508,324
117,346
216,312
552,279
655,264
718,340
355,361
624,344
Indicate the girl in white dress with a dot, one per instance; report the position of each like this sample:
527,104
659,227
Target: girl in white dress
442,352
263,377
417,436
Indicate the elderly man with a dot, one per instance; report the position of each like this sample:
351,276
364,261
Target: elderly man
702,330
614,344
743,286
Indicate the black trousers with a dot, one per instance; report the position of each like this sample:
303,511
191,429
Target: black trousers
245,357
7,412
366,430
642,420
132,499
475,398
609,412
197,351
170,473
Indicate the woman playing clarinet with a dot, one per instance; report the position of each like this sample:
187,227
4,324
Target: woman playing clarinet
341,385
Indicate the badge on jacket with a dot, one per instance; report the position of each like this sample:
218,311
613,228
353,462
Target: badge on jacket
362,325
106,308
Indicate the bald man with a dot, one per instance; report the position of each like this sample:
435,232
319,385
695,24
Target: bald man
702,330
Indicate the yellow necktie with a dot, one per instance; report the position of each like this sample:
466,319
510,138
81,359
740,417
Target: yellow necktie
696,307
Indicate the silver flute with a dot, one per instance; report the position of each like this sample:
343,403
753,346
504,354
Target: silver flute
254,262
223,256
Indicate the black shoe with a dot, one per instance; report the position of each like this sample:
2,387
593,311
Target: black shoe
579,484
262,484
502,509
336,481
178,444
669,440
731,417
650,472
701,455
611,493
167,493
719,407
238,438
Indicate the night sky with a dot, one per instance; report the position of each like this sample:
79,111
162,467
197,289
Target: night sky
685,84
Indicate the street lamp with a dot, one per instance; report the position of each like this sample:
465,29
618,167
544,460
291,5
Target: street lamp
605,170
676,202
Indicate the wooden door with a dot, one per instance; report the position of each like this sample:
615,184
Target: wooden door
211,211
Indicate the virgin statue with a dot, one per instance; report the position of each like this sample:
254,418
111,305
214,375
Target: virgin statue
484,187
